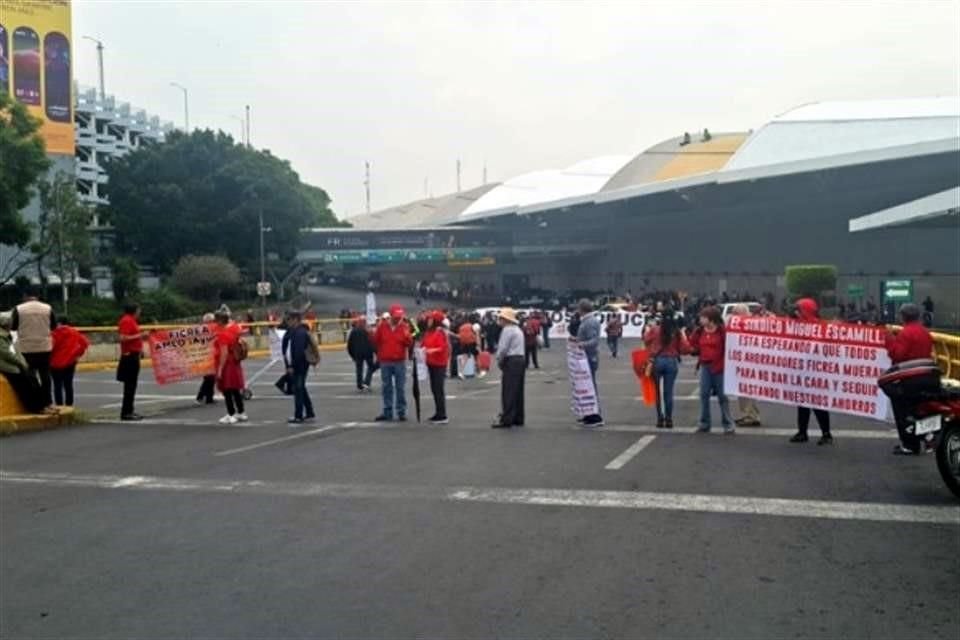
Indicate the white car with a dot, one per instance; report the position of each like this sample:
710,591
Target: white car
727,310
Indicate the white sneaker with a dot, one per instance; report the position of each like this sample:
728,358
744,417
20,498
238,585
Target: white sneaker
228,419
242,417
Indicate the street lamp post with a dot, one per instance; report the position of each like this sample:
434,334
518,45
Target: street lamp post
263,262
186,106
103,91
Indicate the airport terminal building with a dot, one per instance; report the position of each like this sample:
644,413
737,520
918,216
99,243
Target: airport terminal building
825,183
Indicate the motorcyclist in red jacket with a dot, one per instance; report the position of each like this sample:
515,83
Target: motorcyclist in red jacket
912,342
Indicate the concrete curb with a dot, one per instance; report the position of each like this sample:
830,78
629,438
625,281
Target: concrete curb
28,423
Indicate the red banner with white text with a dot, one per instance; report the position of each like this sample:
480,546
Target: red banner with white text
183,353
822,365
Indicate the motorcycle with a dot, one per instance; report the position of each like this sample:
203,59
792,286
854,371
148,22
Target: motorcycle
928,407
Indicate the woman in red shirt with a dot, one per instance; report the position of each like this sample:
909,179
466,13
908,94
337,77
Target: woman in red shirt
665,342
709,341
229,370
68,345
437,347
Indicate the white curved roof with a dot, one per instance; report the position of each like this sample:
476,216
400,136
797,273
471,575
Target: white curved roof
543,187
834,128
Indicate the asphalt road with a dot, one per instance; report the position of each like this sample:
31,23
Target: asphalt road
179,526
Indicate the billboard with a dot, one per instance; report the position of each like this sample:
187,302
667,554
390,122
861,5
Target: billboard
36,65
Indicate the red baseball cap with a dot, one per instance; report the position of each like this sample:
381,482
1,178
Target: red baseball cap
438,316
396,311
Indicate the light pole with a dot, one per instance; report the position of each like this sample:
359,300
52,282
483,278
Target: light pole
103,91
243,135
248,125
263,261
186,107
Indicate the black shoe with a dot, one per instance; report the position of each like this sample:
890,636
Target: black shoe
518,424
903,451
132,417
825,439
661,423
383,418
401,418
668,423
439,421
800,437
432,418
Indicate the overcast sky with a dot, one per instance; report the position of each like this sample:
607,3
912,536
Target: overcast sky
519,86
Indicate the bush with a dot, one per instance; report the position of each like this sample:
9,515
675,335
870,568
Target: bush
205,277
164,305
92,312
811,280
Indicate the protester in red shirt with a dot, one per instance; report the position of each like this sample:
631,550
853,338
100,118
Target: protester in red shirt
393,339
230,382
913,342
437,347
128,369
531,346
68,345
808,310
665,341
709,341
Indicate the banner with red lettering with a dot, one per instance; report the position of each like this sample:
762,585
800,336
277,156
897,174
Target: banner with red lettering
822,365
183,353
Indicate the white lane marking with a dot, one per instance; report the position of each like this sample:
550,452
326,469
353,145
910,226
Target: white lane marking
629,453
693,395
267,443
576,498
778,507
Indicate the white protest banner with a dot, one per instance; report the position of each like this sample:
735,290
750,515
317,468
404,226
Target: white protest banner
583,395
423,374
633,321
832,366
276,344
371,309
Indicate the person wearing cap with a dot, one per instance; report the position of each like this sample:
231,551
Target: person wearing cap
393,340
808,310
296,342
229,370
912,342
360,349
437,347
512,360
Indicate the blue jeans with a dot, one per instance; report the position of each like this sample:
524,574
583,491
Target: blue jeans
594,365
394,374
612,342
301,399
665,370
713,383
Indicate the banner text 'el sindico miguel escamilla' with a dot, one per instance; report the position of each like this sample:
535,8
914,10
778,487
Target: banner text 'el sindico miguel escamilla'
832,366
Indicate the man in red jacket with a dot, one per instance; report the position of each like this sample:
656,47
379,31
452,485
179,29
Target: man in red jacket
913,342
393,340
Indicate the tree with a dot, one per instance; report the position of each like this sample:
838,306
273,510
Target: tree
205,277
126,279
203,194
23,162
812,280
320,202
63,234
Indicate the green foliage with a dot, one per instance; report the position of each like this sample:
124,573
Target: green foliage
126,279
164,305
811,279
63,236
320,203
202,194
22,162
205,278
92,312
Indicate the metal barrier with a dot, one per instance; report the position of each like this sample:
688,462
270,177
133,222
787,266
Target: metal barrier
104,347
946,351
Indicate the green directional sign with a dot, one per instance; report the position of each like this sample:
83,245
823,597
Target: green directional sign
855,290
898,290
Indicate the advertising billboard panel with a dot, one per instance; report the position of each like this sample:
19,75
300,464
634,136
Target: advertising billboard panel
36,65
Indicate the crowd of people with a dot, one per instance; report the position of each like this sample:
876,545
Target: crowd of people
41,365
